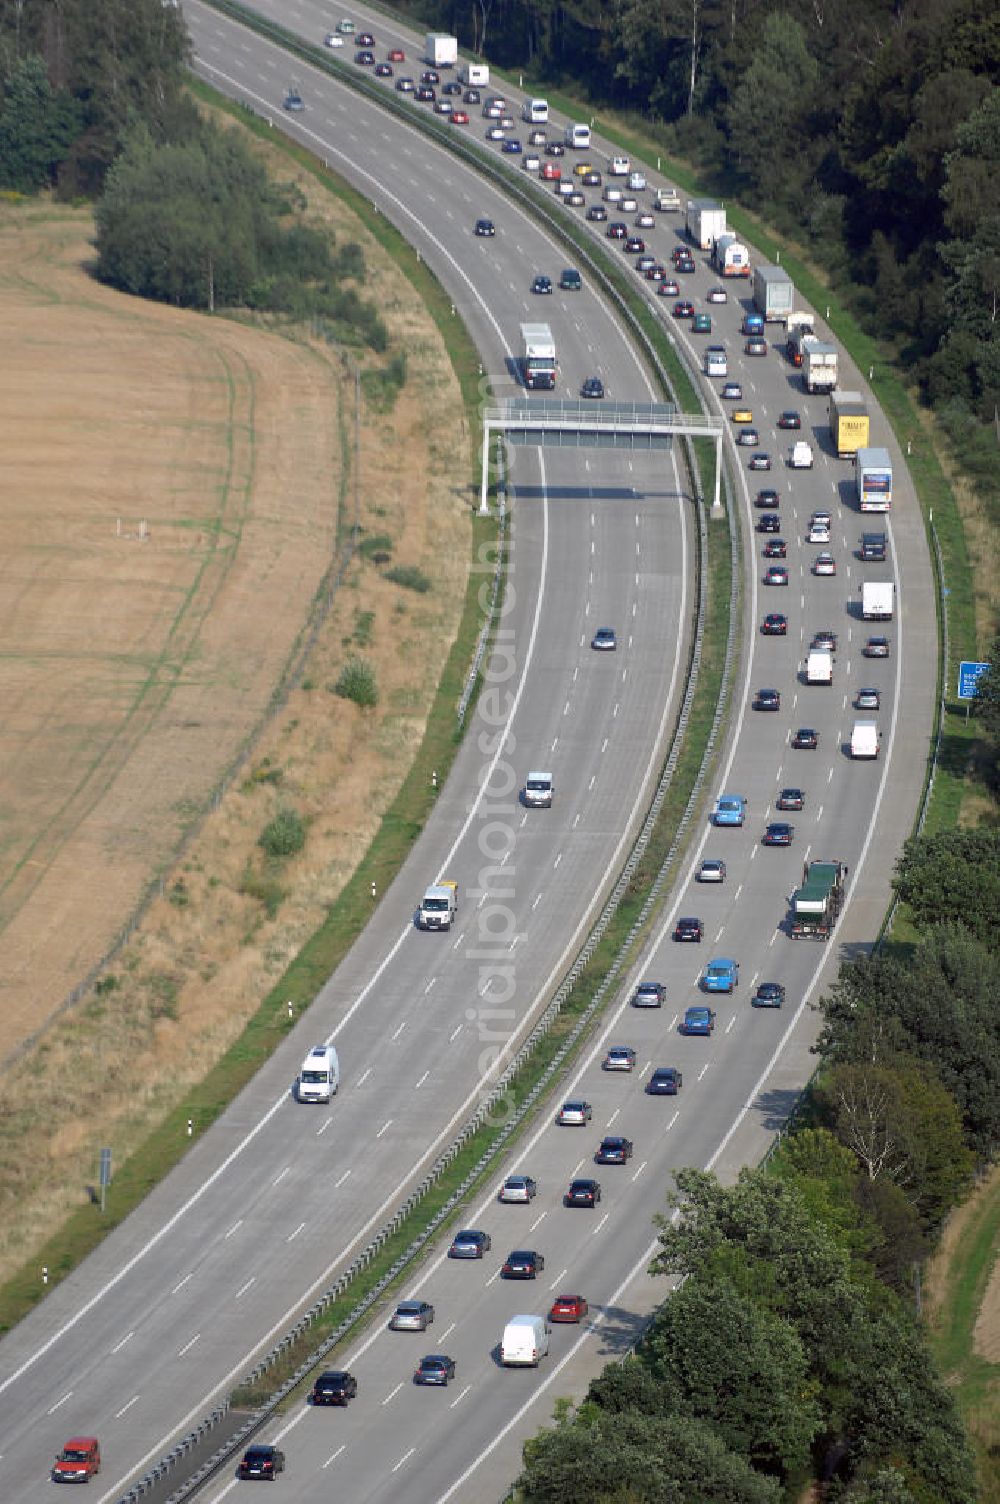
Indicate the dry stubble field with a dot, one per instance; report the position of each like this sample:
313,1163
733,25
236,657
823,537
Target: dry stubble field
133,670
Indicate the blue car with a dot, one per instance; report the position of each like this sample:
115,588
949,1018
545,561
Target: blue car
511,145
730,809
721,975
698,1021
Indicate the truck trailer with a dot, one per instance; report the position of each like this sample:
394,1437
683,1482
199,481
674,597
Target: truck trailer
873,478
819,365
773,293
797,326
706,221
440,50
730,257
849,423
538,359
816,905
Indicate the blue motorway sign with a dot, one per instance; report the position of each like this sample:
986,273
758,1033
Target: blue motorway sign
969,675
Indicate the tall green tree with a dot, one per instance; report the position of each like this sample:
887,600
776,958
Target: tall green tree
38,125
953,876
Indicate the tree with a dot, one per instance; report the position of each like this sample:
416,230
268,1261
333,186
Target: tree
986,705
954,875
37,126
631,1458
718,1355
941,1006
770,107
904,1127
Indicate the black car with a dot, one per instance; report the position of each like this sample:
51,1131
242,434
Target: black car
522,1263
775,548
365,39
616,230
262,1462
485,227
614,1150
769,522
425,94
768,498
688,929
383,70
430,76
756,346
790,799
570,280
768,995
635,245
665,1081
767,699
597,213
789,419
436,1368
335,1387
542,285
582,1193
805,739
455,88
592,387
364,57
774,624
555,149
470,1244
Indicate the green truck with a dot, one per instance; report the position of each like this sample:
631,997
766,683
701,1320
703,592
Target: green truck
816,905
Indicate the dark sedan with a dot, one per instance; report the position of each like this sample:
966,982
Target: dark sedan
582,1193
470,1244
793,799
436,1368
614,1150
522,1263
774,624
688,929
767,699
778,833
665,1081
335,1387
805,739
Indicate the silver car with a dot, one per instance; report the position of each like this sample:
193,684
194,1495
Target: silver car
712,872
575,1113
518,1188
412,1316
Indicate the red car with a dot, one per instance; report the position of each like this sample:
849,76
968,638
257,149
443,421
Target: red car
397,55
551,172
568,1308
79,1460
459,117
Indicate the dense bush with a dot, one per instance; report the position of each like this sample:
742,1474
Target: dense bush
283,836
356,682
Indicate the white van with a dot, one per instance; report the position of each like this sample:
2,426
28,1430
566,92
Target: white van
535,111
716,363
865,740
578,136
320,1074
525,1340
475,75
637,181
619,167
819,667
539,790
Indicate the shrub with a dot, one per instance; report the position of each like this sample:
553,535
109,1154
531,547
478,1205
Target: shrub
266,890
357,683
410,577
284,835
378,543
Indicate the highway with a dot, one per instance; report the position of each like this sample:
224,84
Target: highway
277,1197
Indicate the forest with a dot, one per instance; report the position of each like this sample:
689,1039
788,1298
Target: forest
866,131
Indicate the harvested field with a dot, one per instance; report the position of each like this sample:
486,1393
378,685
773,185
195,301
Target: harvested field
121,722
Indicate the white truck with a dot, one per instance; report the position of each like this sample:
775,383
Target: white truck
730,256
877,600
475,75
865,740
320,1075
525,1339
819,365
438,907
538,358
800,456
773,293
819,667
539,790
440,50
705,222
797,327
